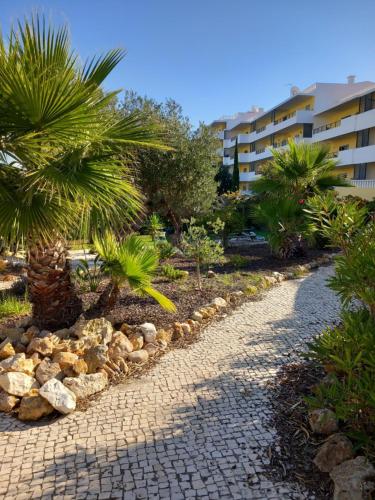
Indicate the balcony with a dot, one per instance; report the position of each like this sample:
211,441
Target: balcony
298,117
244,138
365,183
229,143
228,161
348,125
244,157
249,176
355,155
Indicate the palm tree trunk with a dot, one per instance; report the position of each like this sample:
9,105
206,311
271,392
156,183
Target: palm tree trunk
108,298
51,291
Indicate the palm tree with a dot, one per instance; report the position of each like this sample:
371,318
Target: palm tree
300,171
62,166
294,175
133,261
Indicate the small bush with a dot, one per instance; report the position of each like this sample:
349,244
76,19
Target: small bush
238,261
13,306
172,273
348,353
166,250
251,290
89,278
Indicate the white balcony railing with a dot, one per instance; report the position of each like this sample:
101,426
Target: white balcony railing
355,155
227,161
229,143
347,125
365,183
244,138
249,176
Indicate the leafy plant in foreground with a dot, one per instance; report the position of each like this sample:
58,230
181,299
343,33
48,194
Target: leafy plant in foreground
132,262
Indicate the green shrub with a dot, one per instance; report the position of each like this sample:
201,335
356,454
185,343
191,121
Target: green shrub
348,353
166,250
355,270
13,306
238,261
89,278
172,273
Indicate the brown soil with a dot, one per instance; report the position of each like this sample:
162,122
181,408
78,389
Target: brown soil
133,309
293,453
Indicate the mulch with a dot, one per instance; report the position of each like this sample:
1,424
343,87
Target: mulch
133,309
293,453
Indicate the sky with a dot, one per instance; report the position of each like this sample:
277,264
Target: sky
217,57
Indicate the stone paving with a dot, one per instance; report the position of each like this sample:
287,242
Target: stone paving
196,426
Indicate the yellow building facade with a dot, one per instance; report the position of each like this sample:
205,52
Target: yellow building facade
340,116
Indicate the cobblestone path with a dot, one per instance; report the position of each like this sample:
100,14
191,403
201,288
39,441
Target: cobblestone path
196,426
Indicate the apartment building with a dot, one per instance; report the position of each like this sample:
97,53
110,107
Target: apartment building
340,115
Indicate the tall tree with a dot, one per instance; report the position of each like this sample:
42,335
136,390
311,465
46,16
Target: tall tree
236,170
179,183
60,164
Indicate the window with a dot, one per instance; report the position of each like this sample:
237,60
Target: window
344,147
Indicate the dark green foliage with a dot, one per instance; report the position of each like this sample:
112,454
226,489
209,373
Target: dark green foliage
172,273
224,180
89,278
166,250
236,171
348,354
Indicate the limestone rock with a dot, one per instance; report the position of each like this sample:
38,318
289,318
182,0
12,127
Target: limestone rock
7,401
186,328
59,396
6,349
140,356
137,340
24,322
34,407
63,334
178,332
86,385
197,316
334,451
48,369
354,479
18,363
149,332
96,357
44,346
269,280
323,421
80,367
164,335
99,328
119,347
14,334
210,274
17,384
66,360
219,303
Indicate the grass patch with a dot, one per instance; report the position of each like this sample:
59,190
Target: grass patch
13,306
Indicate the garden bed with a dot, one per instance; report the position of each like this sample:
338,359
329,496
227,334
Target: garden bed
133,309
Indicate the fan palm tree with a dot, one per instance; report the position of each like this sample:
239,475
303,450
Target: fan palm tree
300,171
62,166
133,261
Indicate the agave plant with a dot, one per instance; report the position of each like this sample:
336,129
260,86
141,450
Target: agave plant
60,165
131,261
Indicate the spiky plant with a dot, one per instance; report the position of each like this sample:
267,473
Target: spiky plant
132,261
300,170
60,167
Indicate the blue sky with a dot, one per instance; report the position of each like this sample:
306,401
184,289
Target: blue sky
217,57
